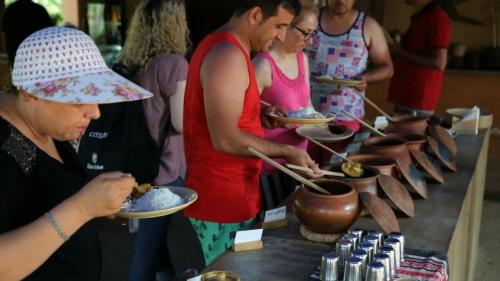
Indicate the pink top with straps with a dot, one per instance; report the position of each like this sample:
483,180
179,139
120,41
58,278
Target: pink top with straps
289,94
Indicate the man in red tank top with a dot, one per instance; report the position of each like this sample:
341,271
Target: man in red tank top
420,61
222,120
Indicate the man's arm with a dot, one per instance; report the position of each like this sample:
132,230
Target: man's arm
437,59
379,53
224,78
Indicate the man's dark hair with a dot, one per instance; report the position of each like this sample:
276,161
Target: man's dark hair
20,19
269,7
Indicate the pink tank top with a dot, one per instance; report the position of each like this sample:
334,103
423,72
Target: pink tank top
290,94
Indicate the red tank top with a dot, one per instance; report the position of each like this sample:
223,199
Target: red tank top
227,185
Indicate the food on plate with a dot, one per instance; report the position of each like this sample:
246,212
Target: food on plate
352,169
335,80
325,77
153,200
307,113
140,190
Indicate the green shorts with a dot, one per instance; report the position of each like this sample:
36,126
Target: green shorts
215,238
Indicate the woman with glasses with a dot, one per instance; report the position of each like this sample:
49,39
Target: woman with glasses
282,75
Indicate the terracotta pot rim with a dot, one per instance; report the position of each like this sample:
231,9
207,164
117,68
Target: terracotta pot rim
408,135
408,119
372,142
349,193
371,156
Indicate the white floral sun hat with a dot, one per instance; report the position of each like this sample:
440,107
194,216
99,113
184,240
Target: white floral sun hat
64,65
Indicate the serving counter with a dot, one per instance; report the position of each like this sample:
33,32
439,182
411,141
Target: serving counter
448,221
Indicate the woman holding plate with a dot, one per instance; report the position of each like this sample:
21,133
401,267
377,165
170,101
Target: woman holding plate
282,76
47,203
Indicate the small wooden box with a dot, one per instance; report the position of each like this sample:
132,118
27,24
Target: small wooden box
254,245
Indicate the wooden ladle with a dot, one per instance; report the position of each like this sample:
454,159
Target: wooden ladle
328,149
289,172
368,101
348,171
364,124
309,170
265,103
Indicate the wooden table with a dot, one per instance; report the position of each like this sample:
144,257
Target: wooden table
448,221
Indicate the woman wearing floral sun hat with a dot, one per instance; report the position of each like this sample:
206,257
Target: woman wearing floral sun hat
46,201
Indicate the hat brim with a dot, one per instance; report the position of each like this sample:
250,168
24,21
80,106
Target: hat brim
96,88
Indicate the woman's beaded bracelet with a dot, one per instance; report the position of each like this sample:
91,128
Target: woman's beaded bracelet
56,226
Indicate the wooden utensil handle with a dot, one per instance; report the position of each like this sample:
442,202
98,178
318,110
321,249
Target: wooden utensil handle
265,103
329,149
288,172
364,123
376,107
306,169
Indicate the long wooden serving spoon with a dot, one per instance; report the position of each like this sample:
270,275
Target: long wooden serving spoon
289,172
328,149
309,170
364,124
368,101
354,169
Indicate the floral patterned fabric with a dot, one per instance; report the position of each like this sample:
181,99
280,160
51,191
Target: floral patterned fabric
64,65
342,56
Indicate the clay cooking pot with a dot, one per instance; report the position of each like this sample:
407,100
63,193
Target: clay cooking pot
365,183
327,213
407,124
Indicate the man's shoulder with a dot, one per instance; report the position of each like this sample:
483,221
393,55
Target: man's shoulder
372,27
438,13
225,53
371,22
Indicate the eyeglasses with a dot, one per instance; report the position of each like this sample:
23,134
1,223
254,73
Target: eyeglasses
306,34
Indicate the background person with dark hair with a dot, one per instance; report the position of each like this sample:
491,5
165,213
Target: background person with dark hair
19,20
222,119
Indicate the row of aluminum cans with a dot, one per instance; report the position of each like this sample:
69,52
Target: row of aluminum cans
364,256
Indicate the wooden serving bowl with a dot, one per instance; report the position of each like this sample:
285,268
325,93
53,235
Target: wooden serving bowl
327,213
407,124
